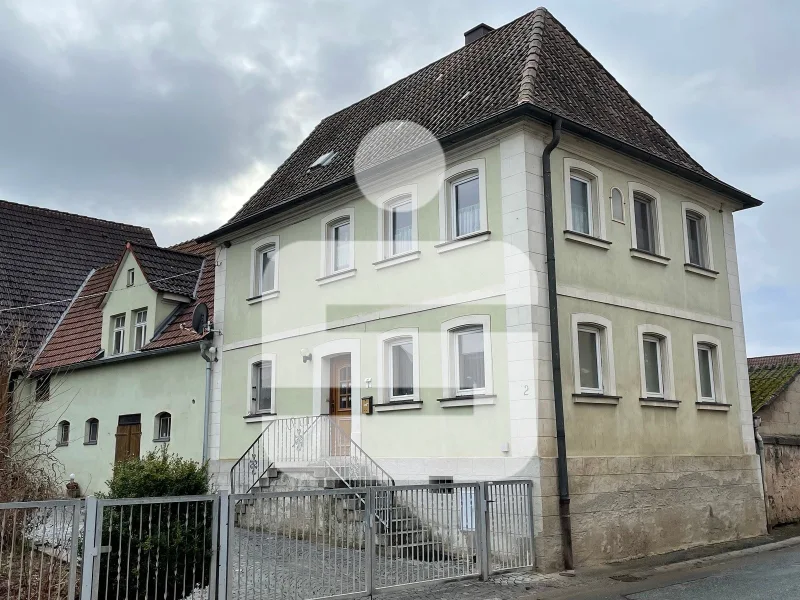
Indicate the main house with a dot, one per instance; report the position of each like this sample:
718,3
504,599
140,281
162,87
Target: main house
558,300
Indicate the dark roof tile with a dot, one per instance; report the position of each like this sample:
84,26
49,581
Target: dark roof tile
770,376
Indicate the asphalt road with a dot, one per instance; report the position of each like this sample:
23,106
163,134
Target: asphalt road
773,575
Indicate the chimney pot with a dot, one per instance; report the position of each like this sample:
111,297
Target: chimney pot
476,33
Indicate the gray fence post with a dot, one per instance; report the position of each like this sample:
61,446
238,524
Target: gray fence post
73,550
224,538
531,525
89,548
482,528
369,542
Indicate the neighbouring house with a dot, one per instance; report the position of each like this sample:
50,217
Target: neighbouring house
775,393
412,310
123,372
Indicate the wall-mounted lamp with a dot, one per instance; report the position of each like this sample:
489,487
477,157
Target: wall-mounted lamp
306,354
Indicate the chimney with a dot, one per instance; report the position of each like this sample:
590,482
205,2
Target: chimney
476,33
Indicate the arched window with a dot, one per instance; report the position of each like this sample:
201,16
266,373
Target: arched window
91,432
62,436
593,359
163,427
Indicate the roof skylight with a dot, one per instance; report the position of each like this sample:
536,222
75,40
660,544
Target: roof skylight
323,161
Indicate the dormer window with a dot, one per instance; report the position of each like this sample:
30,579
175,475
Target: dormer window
131,277
118,334
323,161
140,330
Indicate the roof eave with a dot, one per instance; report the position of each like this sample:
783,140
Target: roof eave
520,111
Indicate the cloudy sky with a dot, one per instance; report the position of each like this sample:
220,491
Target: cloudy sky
170,113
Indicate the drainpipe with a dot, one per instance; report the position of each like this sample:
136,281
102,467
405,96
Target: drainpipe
762,458
207,352
561,459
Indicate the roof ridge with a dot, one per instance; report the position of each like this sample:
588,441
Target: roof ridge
73,215
165,249
532,63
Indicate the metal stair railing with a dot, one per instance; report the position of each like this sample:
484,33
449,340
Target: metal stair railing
253,464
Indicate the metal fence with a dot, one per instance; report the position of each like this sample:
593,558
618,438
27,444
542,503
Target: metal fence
344,543
39,543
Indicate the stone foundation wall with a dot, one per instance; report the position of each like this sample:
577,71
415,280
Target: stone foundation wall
628,507
782,475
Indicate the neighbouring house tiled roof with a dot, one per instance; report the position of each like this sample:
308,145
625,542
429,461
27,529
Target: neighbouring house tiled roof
533,61
78,337
45,256
771,375
167,269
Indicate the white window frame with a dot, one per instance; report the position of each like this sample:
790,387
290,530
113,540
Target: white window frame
691,207
387,202
452,176
718,372
250,407
665,362
257,249
450,330
608,379
658,221
385,382
130,277
62,433
326,270
157,426
622,204
597,210
88,441
117,329
137,326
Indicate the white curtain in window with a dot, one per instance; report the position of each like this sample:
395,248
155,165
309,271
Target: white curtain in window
402,369
341,246
471,367
579,193
467,201
401,228
268,269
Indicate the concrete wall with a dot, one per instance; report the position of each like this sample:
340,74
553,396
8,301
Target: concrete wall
782,477
782,415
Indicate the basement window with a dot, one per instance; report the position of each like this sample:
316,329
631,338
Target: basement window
443,482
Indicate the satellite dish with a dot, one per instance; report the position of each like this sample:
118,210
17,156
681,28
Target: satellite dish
200,318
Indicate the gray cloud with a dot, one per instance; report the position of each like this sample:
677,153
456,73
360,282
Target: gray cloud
170,113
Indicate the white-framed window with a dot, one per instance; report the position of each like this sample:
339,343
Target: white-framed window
617,205
338,256
130,277
697,240
655,363
462,200
398,371
261,385
91,432
593,355
709,371
62,434
397,226
140,329
264,272
118,334
467,351
583,184
646,221
163,427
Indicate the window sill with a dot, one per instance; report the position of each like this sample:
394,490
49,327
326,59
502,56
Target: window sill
61,444
718,406
90,443
398,405
260,418
477,400
652,257
464,240
595,399
338,276
698,270
659,402
161,440
397,259
265,296
589,240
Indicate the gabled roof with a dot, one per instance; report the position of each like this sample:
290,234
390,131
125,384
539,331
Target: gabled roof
531,62
167,269
77,338
770,376
45,256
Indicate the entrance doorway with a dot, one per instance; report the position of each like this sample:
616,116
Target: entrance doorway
341,402
129,437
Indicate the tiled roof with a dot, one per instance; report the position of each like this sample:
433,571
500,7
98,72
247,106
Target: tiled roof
531,61
771,375
45,256
78,336
167,269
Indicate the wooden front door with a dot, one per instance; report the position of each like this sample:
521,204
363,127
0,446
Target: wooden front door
341,403
129,437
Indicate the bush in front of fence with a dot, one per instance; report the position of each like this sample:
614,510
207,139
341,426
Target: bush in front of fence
157,549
